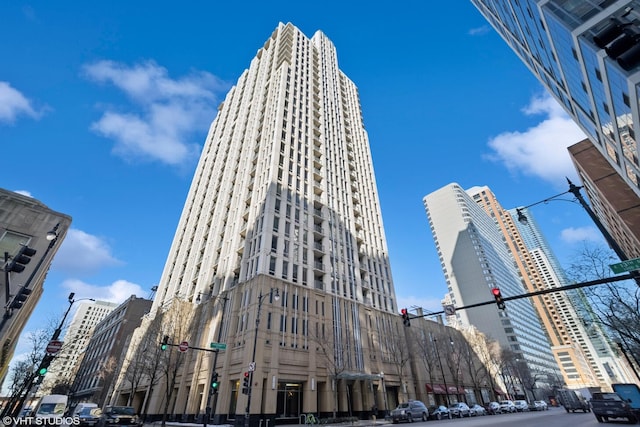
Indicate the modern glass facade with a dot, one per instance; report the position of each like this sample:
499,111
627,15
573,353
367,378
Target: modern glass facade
587,55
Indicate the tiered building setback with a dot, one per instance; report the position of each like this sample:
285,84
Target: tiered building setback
280,251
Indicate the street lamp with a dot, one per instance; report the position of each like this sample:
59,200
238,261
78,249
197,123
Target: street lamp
273,292
575,190
47,359
444,380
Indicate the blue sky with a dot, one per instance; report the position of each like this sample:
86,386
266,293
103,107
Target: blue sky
104,107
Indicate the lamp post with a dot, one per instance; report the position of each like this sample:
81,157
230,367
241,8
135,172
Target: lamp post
575,190
47,359
444,380
273,292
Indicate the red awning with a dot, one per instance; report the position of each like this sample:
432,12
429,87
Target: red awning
436,388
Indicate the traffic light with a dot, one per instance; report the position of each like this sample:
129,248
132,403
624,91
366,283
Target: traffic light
165,343
245,383
21,259
44,365
20,298
405,317
214,383
498,296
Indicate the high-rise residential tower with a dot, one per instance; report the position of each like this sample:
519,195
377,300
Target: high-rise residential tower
63,368
587,56
475,258
280,254
585,355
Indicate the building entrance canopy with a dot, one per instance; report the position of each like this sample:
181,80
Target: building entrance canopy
358,376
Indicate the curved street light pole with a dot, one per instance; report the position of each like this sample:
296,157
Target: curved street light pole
575,190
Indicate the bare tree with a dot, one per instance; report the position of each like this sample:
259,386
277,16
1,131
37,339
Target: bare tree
152,362
615,307
398,353
333,354
175,326
487,352
428,355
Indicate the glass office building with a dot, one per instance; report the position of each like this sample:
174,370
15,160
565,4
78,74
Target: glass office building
587,55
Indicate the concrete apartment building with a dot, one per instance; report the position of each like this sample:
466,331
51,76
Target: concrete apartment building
95,376
468,228
575,325
279,254
25,223
63,368
587,56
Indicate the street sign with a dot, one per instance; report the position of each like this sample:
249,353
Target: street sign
218,346
449,309
54,346
628,265
184,346
252,366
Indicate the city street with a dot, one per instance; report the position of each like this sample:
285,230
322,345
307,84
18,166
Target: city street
554,417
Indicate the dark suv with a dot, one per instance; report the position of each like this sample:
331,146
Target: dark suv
119,416
410,411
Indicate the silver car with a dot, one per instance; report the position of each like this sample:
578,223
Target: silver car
410,411
507,406
460,410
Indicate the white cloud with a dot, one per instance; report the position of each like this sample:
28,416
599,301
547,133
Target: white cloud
540,151
117,292
581,234
479,31
82,253
13,104
166,111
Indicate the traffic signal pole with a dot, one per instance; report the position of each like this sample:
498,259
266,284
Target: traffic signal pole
210,411
628,276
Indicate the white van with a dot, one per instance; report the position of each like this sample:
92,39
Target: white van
80,406
51,406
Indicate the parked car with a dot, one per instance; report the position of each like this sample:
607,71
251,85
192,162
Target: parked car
119,416
88,416
477,410
410,411
507,406
540,405
521,405
460,410
493,408
439,412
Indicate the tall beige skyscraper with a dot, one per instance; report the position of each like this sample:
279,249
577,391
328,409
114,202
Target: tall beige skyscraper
282,231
